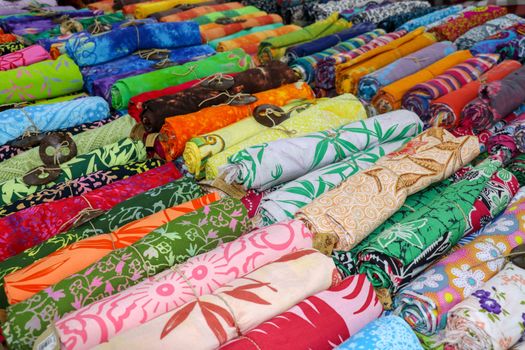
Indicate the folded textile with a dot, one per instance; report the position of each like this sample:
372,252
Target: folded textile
213,16
215,269
412,63
329,113
250,42
270,164
378,14
10,47
446,110
118,153
321,321
467,20
519,132
199,11
181,8
180,129
192,99
425,302
226,62
321,10
88,50
502,143
382,189
143,10
25,57
492,316
170,244
388,332
272,290
391,23
430,18
213,33
495,101
41,80
419,97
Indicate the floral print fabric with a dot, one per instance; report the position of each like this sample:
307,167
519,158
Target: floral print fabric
25,57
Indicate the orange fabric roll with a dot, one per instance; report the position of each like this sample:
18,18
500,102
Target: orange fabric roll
214,25
199,11
7,38
247,41
446,110
65,262
228,29
180,129
349,73
104,5
389,97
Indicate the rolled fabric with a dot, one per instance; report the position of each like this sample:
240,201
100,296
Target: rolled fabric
323,10
215,269
174,242
7,38
118,153
446,110
321,321
134,208
389,97
519,132
430,18
214,33
213,16
10,47
275,48
392,22
143,10
249,39
378,14
391,332
418,98
272,289
495,100
194,98
34,82
180,129
25,57
382,189
502,143
65,262
199,11
20,165
225,62
326,68
179,8
409,64
467,20
329,113
264,166
492,316
425,302
498,41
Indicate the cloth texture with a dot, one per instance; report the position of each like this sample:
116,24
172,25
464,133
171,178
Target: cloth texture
25,57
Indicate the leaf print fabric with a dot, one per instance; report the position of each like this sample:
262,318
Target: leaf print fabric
94,324
492,317
236,307
382,189
319,322
172,243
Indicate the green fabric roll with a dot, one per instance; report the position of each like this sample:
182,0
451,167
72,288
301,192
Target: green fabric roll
173,243
226,62
272,26
213,16
118,153
138,207
41,80
86,141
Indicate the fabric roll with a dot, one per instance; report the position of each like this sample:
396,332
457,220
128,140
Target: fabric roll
180,129
118,153
419,97
388,332
502,143
467,20
492,316
412,63
391,23
65,262
253,37
272,290
226,62
382,189
239,19
213,16
199,11
25,57
26,83
134,208
329,113
214,33
322,10
179,8
498,42
321,321
215,269
519,131
425,302
446,110
143,10
326,71
495,101
170,244
194,98
10,47
264,166
7,38
378,14
430,18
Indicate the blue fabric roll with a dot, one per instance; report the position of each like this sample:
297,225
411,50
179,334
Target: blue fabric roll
49,117
491,44
89,50
430,18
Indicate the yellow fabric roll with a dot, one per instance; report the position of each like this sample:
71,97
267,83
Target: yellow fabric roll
144,10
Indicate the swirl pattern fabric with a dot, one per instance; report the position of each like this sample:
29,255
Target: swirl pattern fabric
25,57
378,14
392,22
430,18
500,41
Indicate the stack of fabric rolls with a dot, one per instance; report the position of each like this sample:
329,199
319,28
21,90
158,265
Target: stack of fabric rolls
307,174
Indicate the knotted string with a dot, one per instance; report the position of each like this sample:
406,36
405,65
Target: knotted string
147,54
57,151
32,129
231,97
72,221
191,69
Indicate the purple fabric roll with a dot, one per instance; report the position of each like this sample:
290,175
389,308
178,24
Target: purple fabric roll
102,87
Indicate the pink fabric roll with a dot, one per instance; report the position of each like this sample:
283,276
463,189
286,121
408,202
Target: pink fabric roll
106,318
24,57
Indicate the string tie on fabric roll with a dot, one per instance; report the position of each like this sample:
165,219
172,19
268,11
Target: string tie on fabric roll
153,54
82,216
191,69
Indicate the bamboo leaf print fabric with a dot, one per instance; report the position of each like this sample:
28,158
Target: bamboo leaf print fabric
172,243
